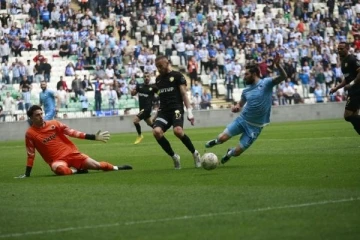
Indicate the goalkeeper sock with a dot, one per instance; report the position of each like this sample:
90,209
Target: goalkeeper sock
105,166
164,143
138,128
187,142
62,170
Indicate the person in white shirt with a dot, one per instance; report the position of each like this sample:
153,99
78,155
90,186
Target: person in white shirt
109,72
112,96
9,104
220,59
288,92
62,97
180,48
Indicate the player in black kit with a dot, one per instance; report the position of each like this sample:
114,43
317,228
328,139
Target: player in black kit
146,96
171,87
350,68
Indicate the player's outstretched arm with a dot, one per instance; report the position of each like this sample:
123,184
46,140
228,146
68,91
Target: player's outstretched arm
102,136
283,75
186,101
339,86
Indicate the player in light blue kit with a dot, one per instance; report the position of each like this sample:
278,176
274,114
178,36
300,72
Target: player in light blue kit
254,108
48,100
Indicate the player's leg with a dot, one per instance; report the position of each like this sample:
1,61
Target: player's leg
92,164
136,122
233,129
161,124
351,113
249,135
62,168
178,122
82,163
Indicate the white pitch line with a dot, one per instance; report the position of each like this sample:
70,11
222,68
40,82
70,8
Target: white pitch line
301,205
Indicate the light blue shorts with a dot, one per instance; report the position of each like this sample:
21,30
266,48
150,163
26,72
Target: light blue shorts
249,133
50,115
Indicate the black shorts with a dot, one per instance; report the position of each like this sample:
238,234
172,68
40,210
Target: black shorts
352,103
165,120
144,114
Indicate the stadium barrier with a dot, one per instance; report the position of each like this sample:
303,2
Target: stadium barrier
204,118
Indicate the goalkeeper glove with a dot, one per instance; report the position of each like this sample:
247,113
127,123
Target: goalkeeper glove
190,116
102,136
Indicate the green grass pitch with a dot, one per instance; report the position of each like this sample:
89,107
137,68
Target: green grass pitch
298,181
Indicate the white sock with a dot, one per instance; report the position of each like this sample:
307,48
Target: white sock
116,168
73,170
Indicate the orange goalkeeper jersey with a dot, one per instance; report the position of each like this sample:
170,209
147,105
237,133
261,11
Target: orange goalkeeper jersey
50,141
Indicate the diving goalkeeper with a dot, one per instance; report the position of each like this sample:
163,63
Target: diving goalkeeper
49,138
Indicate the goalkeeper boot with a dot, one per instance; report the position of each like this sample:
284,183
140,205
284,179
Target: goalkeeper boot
197,159
211,143
176,160
81,171
226,157
125,167
139,139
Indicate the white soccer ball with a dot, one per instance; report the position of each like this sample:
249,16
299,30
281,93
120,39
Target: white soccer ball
209,161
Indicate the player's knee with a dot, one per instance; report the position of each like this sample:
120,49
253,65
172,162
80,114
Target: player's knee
136,120
158,132
62,170
178,131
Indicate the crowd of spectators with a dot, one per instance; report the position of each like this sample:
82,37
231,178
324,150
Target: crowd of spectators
210,40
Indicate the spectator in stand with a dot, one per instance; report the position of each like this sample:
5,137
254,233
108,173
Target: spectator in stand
46,69
4,51
62,97
86,84
318,92
39,58
5,70
205,100
64,50
16,47
70,69
192,70
62,83
98,88
29,71
76,86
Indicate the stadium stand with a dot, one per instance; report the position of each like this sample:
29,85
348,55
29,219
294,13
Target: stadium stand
119,42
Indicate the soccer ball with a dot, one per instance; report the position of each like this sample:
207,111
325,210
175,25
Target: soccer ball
209,161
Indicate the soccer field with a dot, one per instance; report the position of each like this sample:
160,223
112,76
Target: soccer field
298,181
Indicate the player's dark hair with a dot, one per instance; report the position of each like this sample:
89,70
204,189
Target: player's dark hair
253,68
32,109
345,43
160,57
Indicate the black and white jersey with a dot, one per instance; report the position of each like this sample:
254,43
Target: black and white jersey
349,67
169,91
146,95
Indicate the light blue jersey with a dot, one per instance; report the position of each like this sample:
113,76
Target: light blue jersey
47,98
258,99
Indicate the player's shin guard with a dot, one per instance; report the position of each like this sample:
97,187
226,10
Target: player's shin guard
62,170
138,128
164,143
105,166
187,142
355,121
